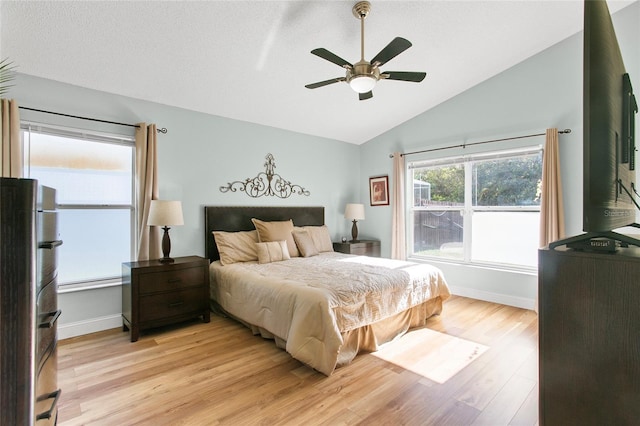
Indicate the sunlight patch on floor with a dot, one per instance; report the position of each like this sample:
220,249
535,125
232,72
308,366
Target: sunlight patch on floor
431,354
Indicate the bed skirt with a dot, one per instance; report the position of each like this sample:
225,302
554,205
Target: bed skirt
368,338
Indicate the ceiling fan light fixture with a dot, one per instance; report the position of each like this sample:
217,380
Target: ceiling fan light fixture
363,75
362,83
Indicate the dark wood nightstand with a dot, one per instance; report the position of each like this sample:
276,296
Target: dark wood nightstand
156,294
359,247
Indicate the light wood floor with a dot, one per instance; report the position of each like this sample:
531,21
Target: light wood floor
220,374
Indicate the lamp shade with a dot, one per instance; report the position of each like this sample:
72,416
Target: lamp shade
354,212
165,213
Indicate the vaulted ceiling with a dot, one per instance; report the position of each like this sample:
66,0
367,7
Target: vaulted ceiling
250,60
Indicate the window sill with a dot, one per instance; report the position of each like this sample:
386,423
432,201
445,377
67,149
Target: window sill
90,285
493,267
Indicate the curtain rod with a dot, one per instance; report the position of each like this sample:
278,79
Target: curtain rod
162,130
464,145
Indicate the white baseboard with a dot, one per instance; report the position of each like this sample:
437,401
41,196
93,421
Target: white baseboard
67,331
503,299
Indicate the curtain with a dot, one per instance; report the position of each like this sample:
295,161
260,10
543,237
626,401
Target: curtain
551,207
398,237
11,152
146,190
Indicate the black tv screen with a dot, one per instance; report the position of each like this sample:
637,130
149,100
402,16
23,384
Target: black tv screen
609,126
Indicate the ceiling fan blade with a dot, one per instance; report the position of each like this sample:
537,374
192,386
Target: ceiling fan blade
365,96
331,57
416,77
393,49
324,83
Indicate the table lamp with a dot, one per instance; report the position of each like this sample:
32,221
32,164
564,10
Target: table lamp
165,213
354,212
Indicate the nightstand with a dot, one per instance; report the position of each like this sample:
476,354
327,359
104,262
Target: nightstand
156,294
359,247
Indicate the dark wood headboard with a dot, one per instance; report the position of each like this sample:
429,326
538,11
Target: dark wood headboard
238,218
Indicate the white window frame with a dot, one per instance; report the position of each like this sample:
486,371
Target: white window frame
467,209
93,136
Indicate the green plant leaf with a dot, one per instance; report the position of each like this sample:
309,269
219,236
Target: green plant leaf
6,75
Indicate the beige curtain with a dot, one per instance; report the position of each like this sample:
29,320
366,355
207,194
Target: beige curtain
398,237
551,207
146,190
11,152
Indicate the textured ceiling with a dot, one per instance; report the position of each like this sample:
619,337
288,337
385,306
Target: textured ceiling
250,60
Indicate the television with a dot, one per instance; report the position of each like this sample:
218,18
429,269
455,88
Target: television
609,151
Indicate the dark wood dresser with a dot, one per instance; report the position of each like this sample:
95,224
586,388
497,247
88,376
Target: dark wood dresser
28,303
359,247
589,331
156,294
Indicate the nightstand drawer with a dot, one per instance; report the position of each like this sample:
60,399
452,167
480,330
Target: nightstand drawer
363,250
170,280
359,248
166,305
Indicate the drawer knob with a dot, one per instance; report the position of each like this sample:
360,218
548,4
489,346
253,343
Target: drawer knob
176,304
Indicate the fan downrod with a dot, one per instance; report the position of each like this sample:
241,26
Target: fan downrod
361,9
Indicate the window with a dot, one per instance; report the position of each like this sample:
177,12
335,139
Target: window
93,177
483,209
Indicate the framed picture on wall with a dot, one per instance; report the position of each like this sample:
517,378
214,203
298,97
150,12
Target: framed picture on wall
379,190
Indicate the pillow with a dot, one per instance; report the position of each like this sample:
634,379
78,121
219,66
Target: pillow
277,231
236,246
273,251
305,244
320,236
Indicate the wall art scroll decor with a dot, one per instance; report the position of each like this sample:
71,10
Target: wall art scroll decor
267,183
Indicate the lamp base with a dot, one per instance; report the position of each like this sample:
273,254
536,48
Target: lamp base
166,246
354,231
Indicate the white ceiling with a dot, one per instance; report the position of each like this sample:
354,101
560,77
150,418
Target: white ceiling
250,60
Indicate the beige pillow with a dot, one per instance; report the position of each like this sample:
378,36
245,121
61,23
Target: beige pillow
273,251
305,244
277,231
320,236
236,246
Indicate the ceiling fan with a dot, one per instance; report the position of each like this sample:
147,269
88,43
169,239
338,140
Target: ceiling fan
363,75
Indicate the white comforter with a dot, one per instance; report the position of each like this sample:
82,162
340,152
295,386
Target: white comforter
309,302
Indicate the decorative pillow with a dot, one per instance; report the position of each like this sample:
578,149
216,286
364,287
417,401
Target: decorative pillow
273,251
277,231
236,246
305,244
320,236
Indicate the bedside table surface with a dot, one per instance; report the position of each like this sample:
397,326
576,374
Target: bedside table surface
155,263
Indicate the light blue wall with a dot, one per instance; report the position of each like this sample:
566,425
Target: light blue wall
199,153
542,92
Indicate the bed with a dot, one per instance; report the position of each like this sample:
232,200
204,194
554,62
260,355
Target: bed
321,306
